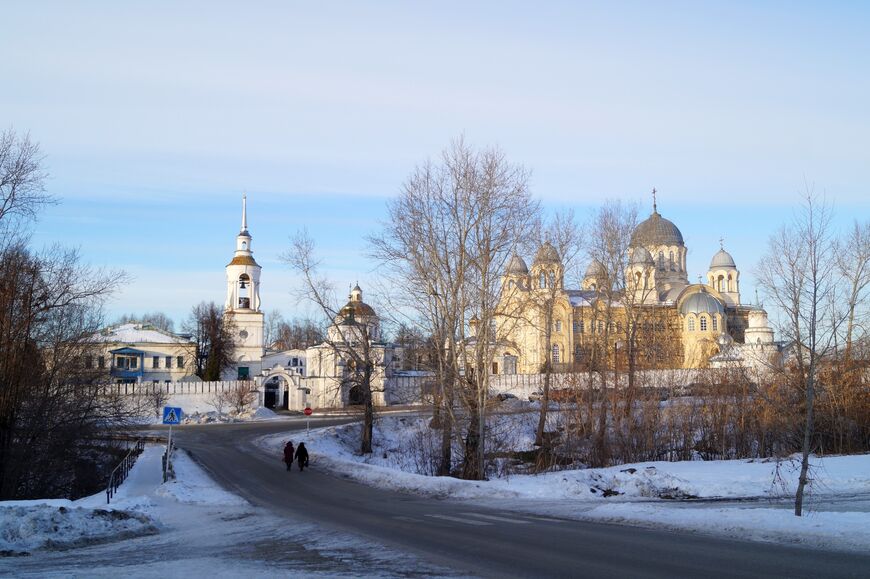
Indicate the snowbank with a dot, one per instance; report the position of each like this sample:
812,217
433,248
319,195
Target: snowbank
642,493
193,486
27,528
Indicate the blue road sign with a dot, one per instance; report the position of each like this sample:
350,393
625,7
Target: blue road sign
171,415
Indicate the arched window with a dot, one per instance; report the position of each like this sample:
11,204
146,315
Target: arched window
703,323
542,280
637,279
552,279
730,283
691,324
715,323
244,245
661,260
511,284
673,268
580,325
558,325
555,353
721,285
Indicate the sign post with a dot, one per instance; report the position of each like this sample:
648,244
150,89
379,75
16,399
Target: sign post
307,413
171,415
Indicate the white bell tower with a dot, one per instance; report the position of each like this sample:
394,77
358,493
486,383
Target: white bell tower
243,304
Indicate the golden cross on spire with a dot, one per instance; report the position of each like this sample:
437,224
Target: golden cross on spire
655,210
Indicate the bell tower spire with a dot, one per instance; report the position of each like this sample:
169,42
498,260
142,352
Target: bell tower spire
244,212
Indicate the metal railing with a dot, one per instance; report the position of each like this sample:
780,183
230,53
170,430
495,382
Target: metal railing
119,474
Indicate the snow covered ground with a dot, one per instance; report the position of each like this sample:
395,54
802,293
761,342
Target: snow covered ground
740,498
186,527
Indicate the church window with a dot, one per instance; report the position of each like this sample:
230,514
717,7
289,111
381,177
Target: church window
558,325
511,284
661,260
168,362
691,324
89,362
552,280
703,323
555,353
715,324
179,361
542,280
244,245
730,283
672,261
600,327
101,362
155,361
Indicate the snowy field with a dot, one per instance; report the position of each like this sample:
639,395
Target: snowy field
748,499
186,527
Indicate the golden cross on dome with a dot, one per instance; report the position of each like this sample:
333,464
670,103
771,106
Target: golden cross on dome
654,200
722,242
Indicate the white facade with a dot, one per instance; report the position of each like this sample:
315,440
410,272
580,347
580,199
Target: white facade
141,353
243,305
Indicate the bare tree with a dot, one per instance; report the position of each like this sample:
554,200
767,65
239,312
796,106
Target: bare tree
297,334
853,265
50,310
449,235
157,319
213,332
798,275
352,336
22,177
563,234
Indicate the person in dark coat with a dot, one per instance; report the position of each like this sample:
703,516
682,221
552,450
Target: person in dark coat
288,454
302,455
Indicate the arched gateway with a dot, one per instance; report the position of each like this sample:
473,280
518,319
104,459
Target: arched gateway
282,389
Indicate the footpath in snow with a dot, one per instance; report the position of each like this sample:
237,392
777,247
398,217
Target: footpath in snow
748,499
186,527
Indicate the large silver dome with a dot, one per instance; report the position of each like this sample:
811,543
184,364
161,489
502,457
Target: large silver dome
702,303
722,259
656,230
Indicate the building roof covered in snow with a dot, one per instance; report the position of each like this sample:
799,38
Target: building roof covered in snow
139,334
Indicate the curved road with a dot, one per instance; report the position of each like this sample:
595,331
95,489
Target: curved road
482,541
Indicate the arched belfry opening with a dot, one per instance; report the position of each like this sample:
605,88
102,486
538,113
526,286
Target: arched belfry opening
244,292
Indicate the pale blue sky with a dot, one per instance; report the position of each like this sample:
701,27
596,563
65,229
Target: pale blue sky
156,116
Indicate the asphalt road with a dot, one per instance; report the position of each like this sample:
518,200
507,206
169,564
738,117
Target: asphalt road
488,542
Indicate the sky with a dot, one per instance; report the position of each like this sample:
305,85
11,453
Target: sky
155,117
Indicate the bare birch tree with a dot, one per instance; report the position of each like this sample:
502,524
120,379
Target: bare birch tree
563,233
798,274
448,237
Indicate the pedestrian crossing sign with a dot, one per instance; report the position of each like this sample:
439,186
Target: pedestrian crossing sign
171,415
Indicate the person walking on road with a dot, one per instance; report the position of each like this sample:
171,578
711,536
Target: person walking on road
288,454
302,455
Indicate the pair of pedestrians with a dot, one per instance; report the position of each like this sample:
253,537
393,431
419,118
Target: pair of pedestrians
301,455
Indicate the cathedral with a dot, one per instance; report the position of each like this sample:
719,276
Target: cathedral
674,323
